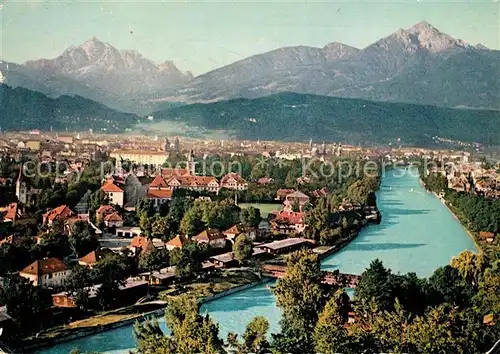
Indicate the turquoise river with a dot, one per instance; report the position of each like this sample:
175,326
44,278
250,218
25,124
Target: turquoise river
417,234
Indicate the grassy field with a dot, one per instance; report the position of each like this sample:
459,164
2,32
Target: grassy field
265,208
215,284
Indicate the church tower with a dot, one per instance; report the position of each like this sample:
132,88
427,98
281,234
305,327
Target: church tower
177,145
166,146
191,163
21,189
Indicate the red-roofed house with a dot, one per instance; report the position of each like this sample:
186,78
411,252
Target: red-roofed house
213,237
234,181
47,272
177,242
113,220
288,221
158,183
114,192
159,196
236,230
282,193
318,193
264,180
104,210
61,213
487,236
174,172
197,183
91,258
11,213
159,191
141,244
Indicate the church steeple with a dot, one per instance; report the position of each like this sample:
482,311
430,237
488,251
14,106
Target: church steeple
166,146
191,163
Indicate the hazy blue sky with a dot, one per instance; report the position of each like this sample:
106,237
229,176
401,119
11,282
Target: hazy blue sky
203,35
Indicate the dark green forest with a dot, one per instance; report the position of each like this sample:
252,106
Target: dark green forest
291,116
22,109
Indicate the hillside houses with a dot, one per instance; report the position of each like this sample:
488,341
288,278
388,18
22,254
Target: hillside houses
233,181
114,191
61,213
113,220
47,272
93,257
196,183
296,199
236,230
11,213
287,222
212,237
178,241
159,191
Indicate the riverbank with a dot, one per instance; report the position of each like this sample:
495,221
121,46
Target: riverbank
95,326
454,213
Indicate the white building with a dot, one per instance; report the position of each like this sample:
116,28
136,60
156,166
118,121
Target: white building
114,193
140,157
234,181
47,272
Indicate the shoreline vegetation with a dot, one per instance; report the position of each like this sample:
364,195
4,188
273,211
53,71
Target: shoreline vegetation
481,246
113,319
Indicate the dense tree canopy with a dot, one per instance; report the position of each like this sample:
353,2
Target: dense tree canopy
301,296
24,301
191,332
242,248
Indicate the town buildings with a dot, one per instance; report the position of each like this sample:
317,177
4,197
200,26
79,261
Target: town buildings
113,220
196,183
61,213
93,257
48,272
297,199
139,157
233,181
286,222
159,191
212,237
178,241
236,230
114,192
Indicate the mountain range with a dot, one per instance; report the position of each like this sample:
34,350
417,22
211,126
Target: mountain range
417,65
98,71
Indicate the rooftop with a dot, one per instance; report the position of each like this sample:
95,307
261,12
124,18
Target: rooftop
45,266
276,245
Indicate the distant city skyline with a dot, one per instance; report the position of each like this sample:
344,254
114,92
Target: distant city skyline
204,35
